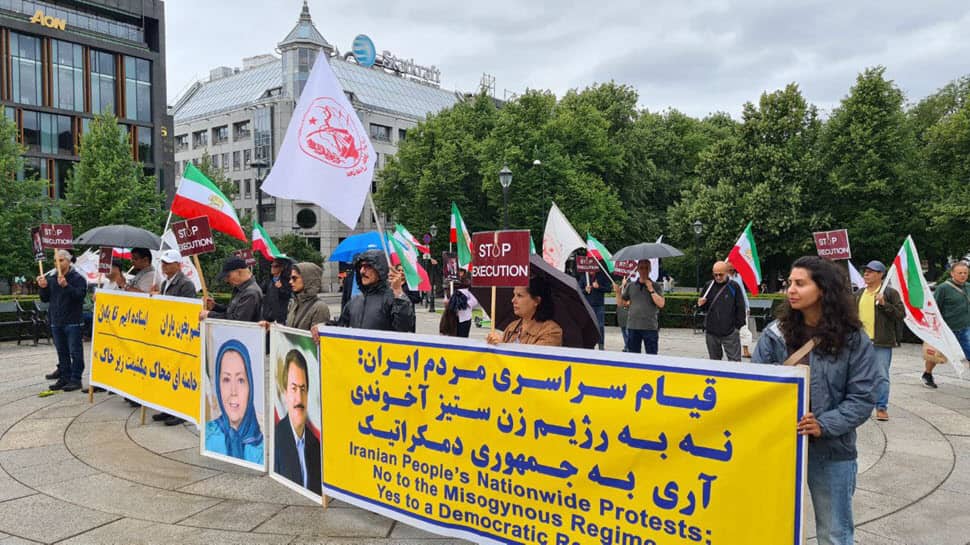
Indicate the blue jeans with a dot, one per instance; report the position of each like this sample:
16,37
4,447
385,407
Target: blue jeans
647,337
70,351
884,358
600,313
963,335
626,336
832,483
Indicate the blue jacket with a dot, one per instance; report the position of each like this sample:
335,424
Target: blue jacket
595,296
842,393
67,302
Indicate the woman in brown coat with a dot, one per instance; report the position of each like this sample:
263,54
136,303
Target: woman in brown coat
533,307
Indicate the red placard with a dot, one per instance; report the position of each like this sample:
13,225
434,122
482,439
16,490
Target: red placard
57,236
246,254
104,260
627,267
833,245
194,236
586,264
500,258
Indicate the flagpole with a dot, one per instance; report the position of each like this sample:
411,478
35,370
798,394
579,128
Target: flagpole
161,243
380,228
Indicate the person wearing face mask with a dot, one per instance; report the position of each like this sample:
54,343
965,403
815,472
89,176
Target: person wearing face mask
64,288
819,326
235,432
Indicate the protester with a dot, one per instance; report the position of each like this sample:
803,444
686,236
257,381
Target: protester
174,284
64,288
745,331
845,377
456,320
644,301
277,292
534,308
953,299
246,302
382,303
306,307
881,313
235,432
595,286
723,305
116,278
622,314
141,263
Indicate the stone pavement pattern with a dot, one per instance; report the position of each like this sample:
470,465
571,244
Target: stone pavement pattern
73,472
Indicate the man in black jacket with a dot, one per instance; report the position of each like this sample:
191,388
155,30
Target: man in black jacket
723,303
296,451
247,299
277,291
64,288
382,303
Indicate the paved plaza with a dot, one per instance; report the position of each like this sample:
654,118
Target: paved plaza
73,472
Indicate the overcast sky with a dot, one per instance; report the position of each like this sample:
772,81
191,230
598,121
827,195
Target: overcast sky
697,57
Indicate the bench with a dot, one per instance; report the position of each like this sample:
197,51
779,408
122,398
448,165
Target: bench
11,314
42,324
760,310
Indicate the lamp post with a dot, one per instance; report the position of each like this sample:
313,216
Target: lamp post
505,178
433,231
260,165
698,229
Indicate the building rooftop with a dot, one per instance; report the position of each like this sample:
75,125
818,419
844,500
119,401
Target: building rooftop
375,89
305,32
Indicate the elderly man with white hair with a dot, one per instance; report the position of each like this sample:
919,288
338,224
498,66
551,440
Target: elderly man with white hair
64,288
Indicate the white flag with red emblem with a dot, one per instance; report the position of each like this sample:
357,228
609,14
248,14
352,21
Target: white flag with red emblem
326,157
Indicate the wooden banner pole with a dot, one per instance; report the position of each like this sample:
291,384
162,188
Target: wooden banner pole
198,267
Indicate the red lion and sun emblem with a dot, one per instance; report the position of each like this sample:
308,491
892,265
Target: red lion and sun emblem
329,134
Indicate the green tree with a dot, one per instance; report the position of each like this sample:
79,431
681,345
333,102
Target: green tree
948,163
107,186
298,249
23,204
869,154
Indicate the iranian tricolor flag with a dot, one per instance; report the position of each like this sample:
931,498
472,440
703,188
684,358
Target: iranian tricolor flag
744,257
461,238
198,196
922,315
422,248
407,256
595,248
263,244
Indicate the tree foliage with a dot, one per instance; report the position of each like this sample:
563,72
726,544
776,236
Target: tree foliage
23,204
108,186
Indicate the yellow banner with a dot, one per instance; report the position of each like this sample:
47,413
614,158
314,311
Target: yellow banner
148,348
562,446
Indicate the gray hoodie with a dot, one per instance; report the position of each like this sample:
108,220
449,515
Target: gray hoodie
306,308
842,393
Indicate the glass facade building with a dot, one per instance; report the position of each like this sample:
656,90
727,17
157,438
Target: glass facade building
64,61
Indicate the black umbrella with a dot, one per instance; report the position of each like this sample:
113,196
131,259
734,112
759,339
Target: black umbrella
122,236
646,250
570,308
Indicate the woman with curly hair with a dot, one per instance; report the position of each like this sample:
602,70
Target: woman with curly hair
820,316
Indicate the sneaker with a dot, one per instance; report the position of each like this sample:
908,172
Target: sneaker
160,417
928,380
59,385
882,415
71,386
53,376
173,421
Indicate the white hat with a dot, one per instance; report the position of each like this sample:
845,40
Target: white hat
171,256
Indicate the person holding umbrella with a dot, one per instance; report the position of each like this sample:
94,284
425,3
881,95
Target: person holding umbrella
534,309
644,301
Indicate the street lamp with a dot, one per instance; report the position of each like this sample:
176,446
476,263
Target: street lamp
433,231
698,229
505,178
260,165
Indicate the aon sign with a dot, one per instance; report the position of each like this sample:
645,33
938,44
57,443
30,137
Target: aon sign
48,21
